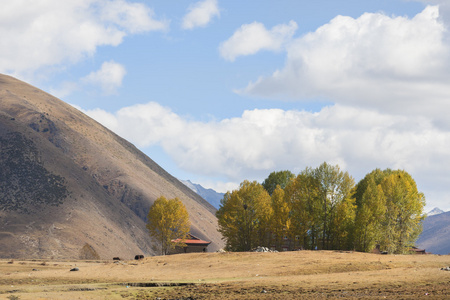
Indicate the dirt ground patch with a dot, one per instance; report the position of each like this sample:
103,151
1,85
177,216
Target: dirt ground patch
289,275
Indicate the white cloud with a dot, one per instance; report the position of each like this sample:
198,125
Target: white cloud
106,118
109,77
264,140
66,88
252,38
444,8
200,14
46,33
133,17
394,64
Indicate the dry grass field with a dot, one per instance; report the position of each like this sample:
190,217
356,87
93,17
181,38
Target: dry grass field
289,275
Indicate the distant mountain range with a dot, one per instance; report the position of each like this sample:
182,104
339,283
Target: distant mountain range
435,237
209,195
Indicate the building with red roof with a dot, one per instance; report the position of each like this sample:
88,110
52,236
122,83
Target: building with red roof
193,244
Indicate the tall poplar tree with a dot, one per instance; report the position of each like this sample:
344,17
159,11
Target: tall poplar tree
343,224
168,220
244,217
302,195
389,211
369,216
280,222
404,212
335,186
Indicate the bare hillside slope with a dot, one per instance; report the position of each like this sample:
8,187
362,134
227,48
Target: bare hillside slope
65,180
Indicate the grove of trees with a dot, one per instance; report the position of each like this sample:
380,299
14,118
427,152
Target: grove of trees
168,220
322,208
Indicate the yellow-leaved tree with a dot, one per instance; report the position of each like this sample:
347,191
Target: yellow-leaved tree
404,212
168,220
389,211
280,221
244,217
370,212
335,187
302,195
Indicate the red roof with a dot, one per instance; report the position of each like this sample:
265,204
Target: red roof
192,240
196,242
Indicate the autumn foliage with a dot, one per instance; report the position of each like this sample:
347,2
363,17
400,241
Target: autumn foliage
322,208
168,220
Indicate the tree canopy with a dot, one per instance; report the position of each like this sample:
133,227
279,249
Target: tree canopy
321,208
244,216
168,220
281,178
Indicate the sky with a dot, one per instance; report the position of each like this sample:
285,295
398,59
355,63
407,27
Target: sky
221,91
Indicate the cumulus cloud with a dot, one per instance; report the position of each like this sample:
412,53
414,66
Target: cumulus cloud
200,14
444,8
66,88
109,77
394,64
132,17
264,140
46,33
252,38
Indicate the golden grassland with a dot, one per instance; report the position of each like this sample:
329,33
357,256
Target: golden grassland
287,275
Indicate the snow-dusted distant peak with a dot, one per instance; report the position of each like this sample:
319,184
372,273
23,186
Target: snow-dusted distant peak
435,211
190,185
209,195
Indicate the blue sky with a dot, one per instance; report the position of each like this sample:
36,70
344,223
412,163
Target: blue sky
221,91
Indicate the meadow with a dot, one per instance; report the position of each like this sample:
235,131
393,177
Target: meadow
242,275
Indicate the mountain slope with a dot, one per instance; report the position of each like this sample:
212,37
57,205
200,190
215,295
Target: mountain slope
435,234
66,181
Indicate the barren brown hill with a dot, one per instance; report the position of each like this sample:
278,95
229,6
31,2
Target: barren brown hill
67,181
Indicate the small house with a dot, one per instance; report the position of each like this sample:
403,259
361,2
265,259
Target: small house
193,244
415,250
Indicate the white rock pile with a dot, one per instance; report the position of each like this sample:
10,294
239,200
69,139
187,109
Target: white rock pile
263,249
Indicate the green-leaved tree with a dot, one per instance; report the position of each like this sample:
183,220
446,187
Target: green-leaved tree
281,178
335,187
